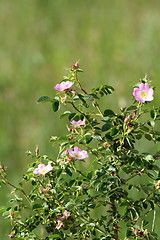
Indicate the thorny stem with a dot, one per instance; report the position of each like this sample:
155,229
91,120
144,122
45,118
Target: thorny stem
77,108
95,102
98,108
76,77
115,226
21,190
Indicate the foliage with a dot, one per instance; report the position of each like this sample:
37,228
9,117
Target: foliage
56,199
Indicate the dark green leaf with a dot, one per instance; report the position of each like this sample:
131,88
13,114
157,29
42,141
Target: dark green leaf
66,113
59,172
128,233
71,116
55,105
132,108
68,171
153,114
138,136
44,99
145,129
106,127
109,112
145,205
151,204
114,131
35,206
148,137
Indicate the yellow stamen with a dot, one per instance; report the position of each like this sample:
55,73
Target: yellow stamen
144,94
77,155
43,170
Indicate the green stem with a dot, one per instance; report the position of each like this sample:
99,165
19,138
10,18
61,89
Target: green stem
154,218
95,102
19,189
77,108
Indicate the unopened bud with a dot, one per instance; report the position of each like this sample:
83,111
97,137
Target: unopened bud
37,151
44,190
106,144
158,184
11,214
127,119
63,99
69,159
2,167
75,66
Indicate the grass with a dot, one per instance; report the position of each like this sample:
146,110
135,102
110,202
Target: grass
117,42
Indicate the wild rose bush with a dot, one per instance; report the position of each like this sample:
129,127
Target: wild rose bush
99,186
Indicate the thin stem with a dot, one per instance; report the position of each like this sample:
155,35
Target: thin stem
77,108
95,102
76,77
21,190
154,218
115,226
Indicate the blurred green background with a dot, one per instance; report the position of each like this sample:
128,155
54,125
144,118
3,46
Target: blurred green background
117,42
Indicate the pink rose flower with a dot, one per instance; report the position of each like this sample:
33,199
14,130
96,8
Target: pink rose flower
63,86
143,93
77,153
78,123
59,224
43,169
65,214
60,220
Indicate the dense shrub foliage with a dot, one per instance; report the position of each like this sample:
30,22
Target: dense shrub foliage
98,185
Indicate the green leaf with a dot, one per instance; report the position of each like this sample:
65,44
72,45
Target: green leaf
69,205
87,138
54,236
145,205
44,99
104,89
138,136
35,206
151,123
66,113
132,108
90,97
148,137
128,233
114,131
59,172
109,112
2,209
71,116
68,171
55,106
151,204
145,129
153,114
106,126
81,97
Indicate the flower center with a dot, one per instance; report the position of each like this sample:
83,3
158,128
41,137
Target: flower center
77,155
144,94
43,170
